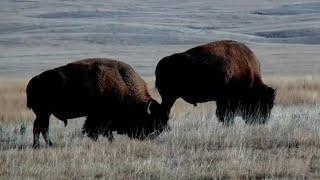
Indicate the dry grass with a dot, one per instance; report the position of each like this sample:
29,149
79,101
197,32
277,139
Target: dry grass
197,147
296,90
13,101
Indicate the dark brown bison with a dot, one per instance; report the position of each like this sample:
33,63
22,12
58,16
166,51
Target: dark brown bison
110,93
224,71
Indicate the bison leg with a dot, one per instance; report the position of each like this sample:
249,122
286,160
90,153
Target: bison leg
93,135
41,125
136,134
47,138
225,112
36,133
109,135
91,128
91,132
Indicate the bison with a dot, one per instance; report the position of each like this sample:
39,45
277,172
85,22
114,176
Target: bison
225,71
109,93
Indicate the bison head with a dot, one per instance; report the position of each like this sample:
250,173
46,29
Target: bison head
258,105
157,119
154,121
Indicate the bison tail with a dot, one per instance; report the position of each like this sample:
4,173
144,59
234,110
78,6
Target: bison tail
29,104
30,92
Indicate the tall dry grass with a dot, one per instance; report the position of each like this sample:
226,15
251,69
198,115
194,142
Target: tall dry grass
13,101
296,90
197,147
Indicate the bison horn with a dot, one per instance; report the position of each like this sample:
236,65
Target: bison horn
148,109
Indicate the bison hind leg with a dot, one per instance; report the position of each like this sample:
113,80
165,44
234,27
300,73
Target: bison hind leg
65,122
41,125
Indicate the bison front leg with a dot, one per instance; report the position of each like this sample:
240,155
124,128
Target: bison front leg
91,128
91,132
225,112
41,125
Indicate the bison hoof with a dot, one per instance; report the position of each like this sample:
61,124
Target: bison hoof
50,144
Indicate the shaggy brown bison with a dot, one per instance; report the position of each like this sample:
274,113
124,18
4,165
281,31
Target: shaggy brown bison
224,71
110,93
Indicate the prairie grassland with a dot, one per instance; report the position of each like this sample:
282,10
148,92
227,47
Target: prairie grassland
296,90
197,147
13,101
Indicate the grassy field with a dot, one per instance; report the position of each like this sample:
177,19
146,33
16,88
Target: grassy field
197,147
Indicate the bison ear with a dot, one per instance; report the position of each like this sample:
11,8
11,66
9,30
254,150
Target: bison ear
148,109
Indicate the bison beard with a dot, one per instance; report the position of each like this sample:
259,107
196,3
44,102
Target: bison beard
109,93
224,71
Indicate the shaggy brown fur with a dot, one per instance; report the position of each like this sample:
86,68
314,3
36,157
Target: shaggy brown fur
110,93
224,71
